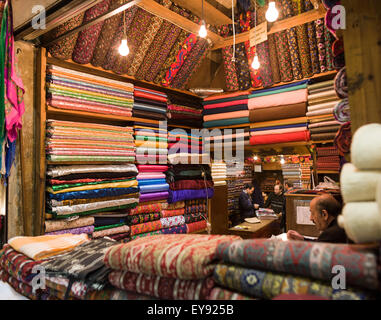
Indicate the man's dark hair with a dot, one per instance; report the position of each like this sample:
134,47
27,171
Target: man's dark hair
329,203
248,186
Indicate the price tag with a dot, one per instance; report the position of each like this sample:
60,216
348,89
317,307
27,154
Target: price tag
258,34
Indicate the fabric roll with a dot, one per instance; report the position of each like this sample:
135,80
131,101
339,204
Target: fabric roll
175,230
143,218
196,226
173,221
242,67
153,196
152,258
280,138
319,26
118,34
274,63
87,39
63,49
357,185
326,129
161,287
147,234
192,217
323,136
231,78
152,51
80,230
342,111
180,195
135,35
146,227
265,67
343,139
280,112
107,33
51,226
279,99
171,57
171,213
328,41
267,285
365,148
341,84
108,232
315,260
284,57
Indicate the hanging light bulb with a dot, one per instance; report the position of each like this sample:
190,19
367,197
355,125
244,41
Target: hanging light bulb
123,48
272,13
255,65
282,161
255,158
202,33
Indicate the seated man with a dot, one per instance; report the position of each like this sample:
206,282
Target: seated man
246,206
324,211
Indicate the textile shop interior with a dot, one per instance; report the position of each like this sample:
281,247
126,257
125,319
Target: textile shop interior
226,148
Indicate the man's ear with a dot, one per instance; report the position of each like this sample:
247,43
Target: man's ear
325,214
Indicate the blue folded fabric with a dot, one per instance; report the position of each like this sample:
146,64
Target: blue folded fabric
189,194
175,230
145,182
154,188
298,125
91,194
291,86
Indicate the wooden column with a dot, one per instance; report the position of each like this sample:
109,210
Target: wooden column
362,45
40,141
219,215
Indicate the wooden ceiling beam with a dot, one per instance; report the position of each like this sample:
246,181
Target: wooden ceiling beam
158,10
227,3
211,15
278,26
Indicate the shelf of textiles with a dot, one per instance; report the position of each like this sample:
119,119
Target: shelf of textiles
328,160
322,102
298,175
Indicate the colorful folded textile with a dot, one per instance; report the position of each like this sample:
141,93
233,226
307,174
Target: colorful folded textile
175,230
162,287
20,287
112,231
280,138
145,227
278,112
165,213
110,293
51,226
342,111
190,255
218,293
80,230
146,234
42,247
193,217
278,99
341,84
343,139
146,208
189,194
196,226
143,218
267,285
301,258
172,221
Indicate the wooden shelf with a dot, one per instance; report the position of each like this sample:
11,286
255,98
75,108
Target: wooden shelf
52,111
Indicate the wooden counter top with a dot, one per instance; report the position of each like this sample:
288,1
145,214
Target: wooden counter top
264,229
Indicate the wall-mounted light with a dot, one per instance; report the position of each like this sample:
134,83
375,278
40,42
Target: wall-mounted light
272,13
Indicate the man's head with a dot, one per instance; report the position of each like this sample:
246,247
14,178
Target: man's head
278,189
249,188
287,185
324,209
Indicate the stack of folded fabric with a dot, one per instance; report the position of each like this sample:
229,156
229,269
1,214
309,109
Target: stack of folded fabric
84,190
22,257
152,182
177,267
232,139
144,220
184,147
292,174
226,109
73,90
196,215
266,214
78,141
111,224
322,99
189,181
328,158
244,270
219,174
173,219
80,271
149,104
151,141
183,111
305,167
278,114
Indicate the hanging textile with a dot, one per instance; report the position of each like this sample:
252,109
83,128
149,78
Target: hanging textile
274,64
231,78
242,67
328,41
87,39
320,38
311,32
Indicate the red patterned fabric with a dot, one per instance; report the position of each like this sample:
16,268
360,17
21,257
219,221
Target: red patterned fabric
87,39
172,213
180,58
196,226
160,287
181,256
146,227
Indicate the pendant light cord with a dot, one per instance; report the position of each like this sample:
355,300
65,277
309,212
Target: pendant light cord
233,58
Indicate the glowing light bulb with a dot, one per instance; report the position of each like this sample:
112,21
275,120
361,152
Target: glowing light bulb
282,161
255,158
202,33
255,65
272,13
123,48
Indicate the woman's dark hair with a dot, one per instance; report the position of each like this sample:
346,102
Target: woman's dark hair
248,186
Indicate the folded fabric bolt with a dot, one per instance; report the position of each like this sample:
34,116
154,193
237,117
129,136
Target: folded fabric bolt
170,213
180,229
361,221
153,188
91,194
357,185
277,131
278,112
226,122
292,97
42,247
150,175
153,196
366,147
225,107
59,171
80,230
145,227
279,138
173,221
196,226
107,232
147,208
280,89
189,194
147,182
152,258
51,226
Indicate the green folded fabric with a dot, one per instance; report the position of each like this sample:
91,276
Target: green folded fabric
226,122
147,138
260,94
109,226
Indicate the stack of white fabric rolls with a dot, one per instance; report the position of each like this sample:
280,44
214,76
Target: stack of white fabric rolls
361,186
219,173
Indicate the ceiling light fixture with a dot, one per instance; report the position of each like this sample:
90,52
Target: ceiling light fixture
123,48
272,13
255,64
202,33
